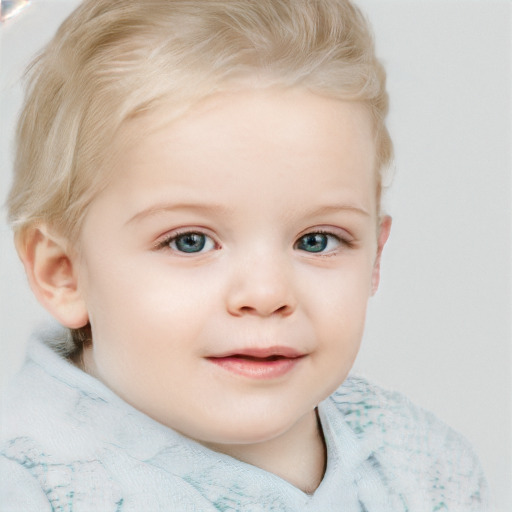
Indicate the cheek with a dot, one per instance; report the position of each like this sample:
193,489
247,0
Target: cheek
140,302
338,308
342,291
147,327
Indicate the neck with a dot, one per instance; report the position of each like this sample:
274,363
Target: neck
297,456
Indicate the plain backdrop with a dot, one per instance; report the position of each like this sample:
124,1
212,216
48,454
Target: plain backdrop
439,328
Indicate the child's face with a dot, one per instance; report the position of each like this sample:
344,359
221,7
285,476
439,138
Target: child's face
246,229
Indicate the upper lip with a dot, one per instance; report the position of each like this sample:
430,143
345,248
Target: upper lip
262,353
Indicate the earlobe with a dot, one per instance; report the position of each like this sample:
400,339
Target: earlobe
384,230
52,274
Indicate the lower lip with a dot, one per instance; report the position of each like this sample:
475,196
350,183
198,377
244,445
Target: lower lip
256,368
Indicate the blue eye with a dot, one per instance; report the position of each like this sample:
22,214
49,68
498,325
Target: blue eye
191,243
317,242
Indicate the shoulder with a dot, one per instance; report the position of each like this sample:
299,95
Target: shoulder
418,450
48,440
49,395
67,442
19,490
370,409
36,402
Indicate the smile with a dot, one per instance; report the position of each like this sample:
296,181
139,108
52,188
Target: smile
259,363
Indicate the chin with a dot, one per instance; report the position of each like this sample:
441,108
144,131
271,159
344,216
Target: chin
251,431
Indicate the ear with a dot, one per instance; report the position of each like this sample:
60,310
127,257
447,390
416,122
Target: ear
52,275
384,229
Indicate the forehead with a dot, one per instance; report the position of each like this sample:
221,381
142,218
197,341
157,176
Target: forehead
260,140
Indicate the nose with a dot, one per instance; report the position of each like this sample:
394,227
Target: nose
261,287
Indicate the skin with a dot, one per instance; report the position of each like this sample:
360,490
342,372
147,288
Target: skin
254,171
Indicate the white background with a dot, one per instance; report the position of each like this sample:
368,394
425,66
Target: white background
439,329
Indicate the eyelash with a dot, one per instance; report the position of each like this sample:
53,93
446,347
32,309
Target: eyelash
164,243
341,240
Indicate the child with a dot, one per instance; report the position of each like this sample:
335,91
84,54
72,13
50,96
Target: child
197,200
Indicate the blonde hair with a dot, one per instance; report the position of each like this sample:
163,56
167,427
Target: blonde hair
113,59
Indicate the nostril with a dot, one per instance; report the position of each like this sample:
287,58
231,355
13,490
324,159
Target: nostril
255,297
280,310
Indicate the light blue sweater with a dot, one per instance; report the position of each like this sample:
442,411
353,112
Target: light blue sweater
69,444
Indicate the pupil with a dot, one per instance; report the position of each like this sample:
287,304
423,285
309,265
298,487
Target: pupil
191,242
316,242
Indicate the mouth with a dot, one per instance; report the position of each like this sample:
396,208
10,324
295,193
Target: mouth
262,364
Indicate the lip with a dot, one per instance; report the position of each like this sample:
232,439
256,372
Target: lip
259,363
262,352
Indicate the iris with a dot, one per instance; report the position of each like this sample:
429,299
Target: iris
190,242
313,242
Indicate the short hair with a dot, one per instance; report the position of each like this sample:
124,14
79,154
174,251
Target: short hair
113,59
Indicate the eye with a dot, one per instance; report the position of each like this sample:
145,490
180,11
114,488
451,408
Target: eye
318,242
190,242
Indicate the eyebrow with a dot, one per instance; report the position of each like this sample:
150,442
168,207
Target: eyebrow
169,207
209,209
333,208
